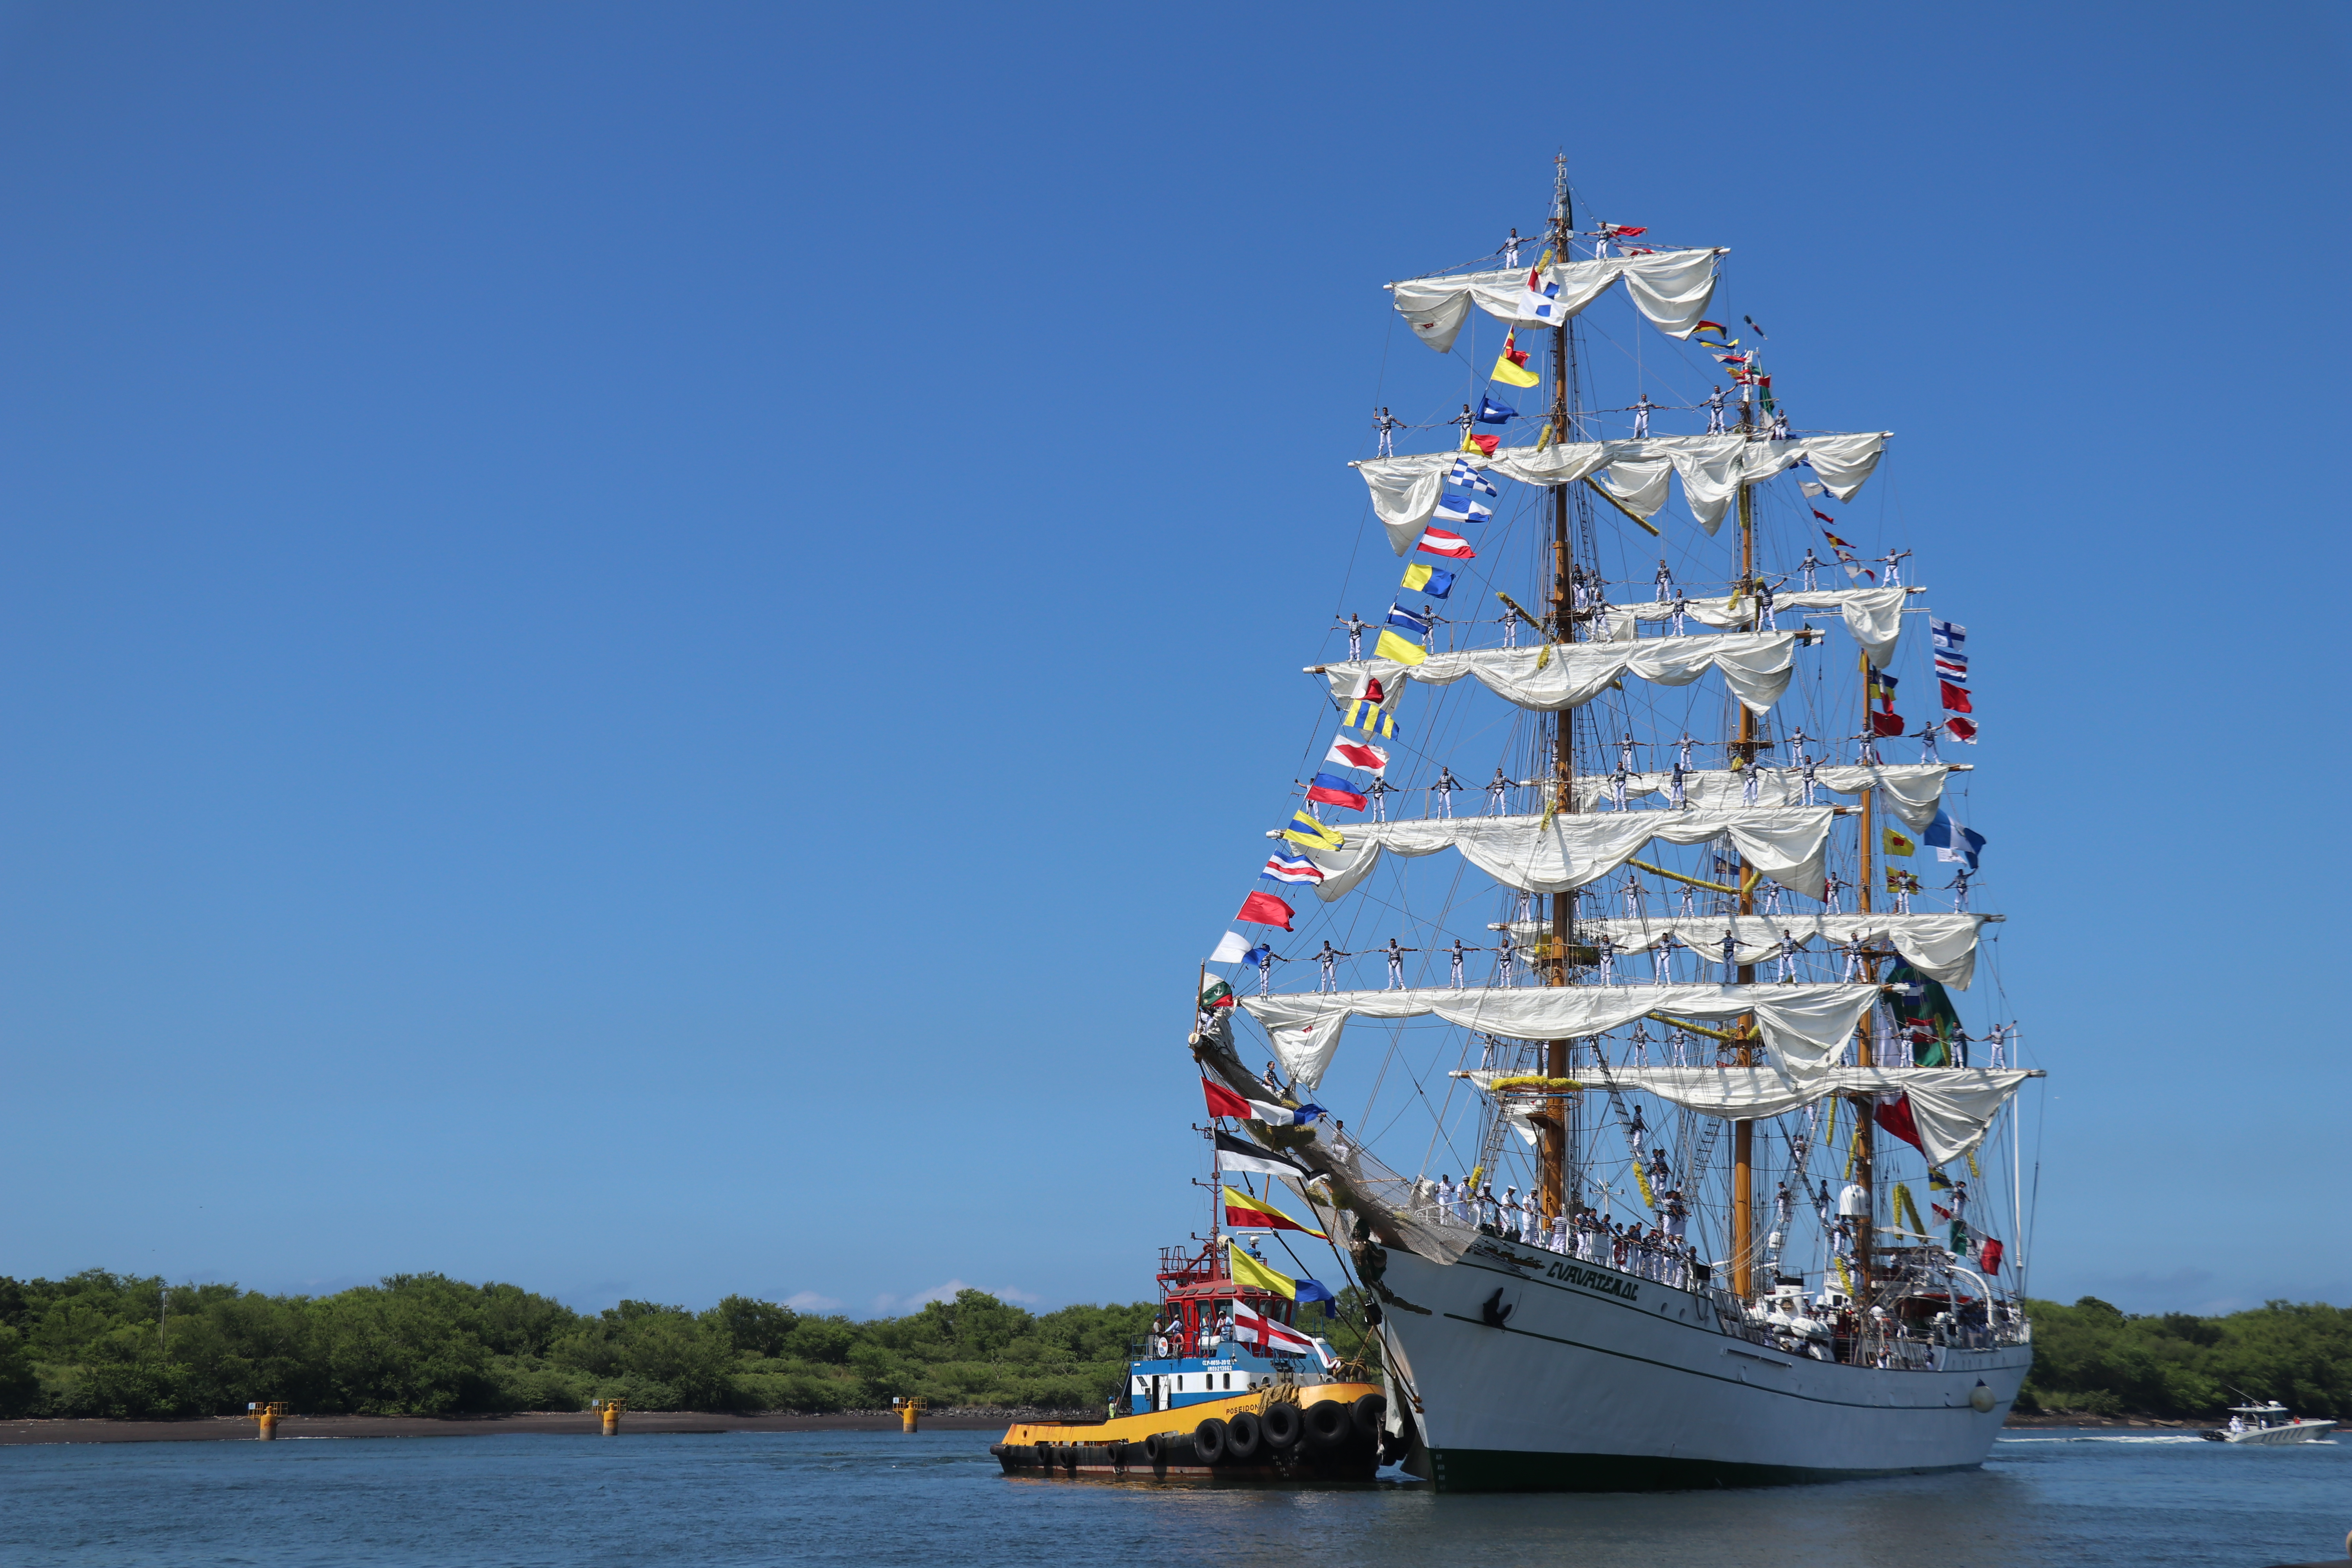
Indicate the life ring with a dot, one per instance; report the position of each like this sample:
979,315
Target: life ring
1244,1437
1329,1423
1369,1414
1282,1424
1209,1441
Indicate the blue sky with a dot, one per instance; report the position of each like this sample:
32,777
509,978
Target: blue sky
641,646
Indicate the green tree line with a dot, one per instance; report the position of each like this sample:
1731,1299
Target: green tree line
117,1345
2093,1358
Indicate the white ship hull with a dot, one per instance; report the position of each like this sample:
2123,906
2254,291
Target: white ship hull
1597,1380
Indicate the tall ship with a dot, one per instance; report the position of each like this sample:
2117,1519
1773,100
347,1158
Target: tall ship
1657,1092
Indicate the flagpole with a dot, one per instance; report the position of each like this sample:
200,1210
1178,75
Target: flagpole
1556,1132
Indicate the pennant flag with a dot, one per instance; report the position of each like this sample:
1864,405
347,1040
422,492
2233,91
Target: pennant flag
1486,444
1511,366
1398,615
1232,950
1266,910
1893,843
1214,995
1894,1114
1619,231
1811,492
1309,834
1314,1290
1955,698
1463,477
1754,328
1437,541
1881,686
1952,667
1703,326
1224,1101
1946,635
1887,723
1434,580
1283,1115
1333,790
1276,1338
1240,1154
1462,509
1357,754
1962,730
1393,647
1493,412
1370,718
1245,1213
1249,1273
1296,869
1953,840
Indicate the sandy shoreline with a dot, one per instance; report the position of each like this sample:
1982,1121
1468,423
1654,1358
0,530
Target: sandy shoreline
232,1430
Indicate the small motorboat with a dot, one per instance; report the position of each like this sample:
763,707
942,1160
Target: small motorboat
2268,1422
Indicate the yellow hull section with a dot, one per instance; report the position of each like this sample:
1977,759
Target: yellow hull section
1136,1428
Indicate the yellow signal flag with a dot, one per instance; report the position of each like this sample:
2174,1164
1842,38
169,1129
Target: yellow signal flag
1507,367
1248,1270
1402,650
1893,843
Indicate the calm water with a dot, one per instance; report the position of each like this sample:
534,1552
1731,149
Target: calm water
938,1500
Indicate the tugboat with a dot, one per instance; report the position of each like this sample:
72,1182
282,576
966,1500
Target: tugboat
1227,1386
2268,1422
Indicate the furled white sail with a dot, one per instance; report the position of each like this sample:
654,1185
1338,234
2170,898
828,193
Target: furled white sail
1405,489
1912,790
1672,288
1756,664
1874,615
1541,856
1951,1107
1942,947
1803,1027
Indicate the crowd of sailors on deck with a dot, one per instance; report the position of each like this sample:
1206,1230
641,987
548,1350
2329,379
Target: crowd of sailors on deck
1657,1252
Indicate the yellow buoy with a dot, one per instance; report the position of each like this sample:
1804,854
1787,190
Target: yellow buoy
612,1409
265,1417
910,1409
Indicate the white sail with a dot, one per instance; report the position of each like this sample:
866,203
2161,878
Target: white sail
1913,790
1566,850
1756,664
1672,288
1951,1107
1405,489
1873,616
1803,1027
1942,947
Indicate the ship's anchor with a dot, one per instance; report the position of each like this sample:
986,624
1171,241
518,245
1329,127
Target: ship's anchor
1494,1311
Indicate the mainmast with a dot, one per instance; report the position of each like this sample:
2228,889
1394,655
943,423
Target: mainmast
1743,1133
1865,1125
1555,1133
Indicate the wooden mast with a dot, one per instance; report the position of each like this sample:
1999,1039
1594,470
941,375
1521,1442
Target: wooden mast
1743,1133
1865,1123
1554,1131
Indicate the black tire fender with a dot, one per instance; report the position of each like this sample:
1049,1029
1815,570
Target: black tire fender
1283,1424
1155,1448
1329,1423
1245,1437
1370,1413
1209,1441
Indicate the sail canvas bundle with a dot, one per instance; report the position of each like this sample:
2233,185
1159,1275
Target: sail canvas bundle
1803,1027
1755,665
1941,947
1554,853
1404,490
1951,1108
1671,288
1912,791
1874,615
